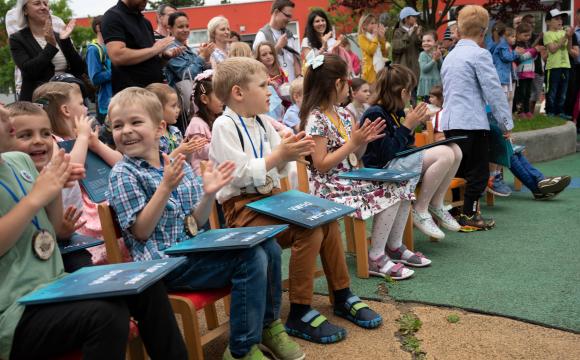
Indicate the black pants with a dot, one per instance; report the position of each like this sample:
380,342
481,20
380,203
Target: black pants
522,95
100,328
474,166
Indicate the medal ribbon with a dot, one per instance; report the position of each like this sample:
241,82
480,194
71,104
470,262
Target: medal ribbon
252,142
396,118
339,125
15,197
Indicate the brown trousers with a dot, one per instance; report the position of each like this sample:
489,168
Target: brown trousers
305,245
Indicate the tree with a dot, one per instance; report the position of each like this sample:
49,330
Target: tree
6,62
504,10
177,3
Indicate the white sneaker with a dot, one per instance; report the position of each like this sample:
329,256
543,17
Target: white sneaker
425,223
445,218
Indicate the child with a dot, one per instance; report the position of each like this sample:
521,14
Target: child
339,144
171,142
30,202
262,160
360,95
436,108
429,65
206,107
503,60
240,48
291,117
159,203
373,45
64,105
470,81
558,42
525,71
354,61
436,165
33,136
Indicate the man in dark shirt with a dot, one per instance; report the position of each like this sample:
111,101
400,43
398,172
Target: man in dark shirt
136,57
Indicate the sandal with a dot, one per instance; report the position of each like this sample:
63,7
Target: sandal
359,313
314,327
417,259
396,272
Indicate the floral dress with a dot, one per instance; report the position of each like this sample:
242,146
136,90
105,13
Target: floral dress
367,197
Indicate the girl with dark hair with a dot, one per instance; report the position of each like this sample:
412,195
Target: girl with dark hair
340,143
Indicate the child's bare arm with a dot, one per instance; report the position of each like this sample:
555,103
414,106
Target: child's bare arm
110,156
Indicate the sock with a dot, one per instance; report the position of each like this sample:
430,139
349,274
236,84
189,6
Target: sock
341,295
297,311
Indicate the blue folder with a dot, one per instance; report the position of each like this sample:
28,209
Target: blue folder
301,209
96,181
103,281
373,174
226,239
78,242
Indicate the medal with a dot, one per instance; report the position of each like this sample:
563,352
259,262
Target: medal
43,244
190,225
352,160
267,187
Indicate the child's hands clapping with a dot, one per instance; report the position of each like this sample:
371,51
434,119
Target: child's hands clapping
296,146
51,179
83,126
368,132
187,146
70,222
215,178
173,172
418,115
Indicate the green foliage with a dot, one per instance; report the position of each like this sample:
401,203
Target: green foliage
6,62
409,324
81,36
178,3
412,345
453,318
61,9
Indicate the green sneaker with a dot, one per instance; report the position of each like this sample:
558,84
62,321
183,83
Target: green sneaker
254,354
276,342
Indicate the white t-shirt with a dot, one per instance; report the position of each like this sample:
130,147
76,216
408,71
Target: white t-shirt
306,44
286,60
59,61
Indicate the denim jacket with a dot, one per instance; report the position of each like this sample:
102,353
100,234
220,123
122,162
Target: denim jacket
185,66
503,58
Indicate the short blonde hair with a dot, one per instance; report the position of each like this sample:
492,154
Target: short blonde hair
52,95
162,91
142,98
472,20
364,20
240,49
234,71
296,87
213,24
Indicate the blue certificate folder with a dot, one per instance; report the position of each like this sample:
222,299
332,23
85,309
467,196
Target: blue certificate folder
78,242
373,174
226,239
93,282
96,181
301,209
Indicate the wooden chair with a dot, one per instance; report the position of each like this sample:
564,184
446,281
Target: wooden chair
355,230
184,304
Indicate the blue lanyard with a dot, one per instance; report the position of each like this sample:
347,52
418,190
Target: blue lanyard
15,198
251,142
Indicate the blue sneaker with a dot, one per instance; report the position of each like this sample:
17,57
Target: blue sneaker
496,186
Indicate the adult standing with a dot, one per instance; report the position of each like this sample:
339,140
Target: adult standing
136,57
286,44
38,51
407,41
218,32
162,15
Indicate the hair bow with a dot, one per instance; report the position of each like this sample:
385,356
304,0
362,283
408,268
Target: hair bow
205,75
316,61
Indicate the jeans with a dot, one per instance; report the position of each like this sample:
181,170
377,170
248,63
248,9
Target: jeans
557,88
526,172
255,277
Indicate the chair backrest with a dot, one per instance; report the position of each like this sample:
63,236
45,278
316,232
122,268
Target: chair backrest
303,184
111,232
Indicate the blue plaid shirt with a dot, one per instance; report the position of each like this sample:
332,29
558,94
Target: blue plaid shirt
132,183
168,144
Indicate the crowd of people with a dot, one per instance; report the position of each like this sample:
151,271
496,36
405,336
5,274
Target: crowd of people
226,122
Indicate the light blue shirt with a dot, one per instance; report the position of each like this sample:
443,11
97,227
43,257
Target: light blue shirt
292,116
470,81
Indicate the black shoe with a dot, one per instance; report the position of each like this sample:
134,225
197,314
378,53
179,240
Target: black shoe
541,197
554,184
475,222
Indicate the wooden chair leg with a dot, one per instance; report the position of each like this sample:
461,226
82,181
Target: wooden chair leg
349,234
517,184
211,316
362,248
191,333
408,234
490,199
227,305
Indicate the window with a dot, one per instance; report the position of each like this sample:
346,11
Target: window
196,37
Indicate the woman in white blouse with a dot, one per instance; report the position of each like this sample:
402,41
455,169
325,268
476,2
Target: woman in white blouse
218,32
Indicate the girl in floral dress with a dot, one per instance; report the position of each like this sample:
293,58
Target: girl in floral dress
340,143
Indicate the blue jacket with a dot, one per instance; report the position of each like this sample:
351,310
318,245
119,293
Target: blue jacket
185,66
503,58
100,74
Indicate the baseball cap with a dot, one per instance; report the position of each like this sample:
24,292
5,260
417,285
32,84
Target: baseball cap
408,11
554,13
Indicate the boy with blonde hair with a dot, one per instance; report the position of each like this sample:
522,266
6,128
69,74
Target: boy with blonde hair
159,203
291,117
470,82
262,158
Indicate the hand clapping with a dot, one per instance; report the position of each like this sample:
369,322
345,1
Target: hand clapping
368,132
215,178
